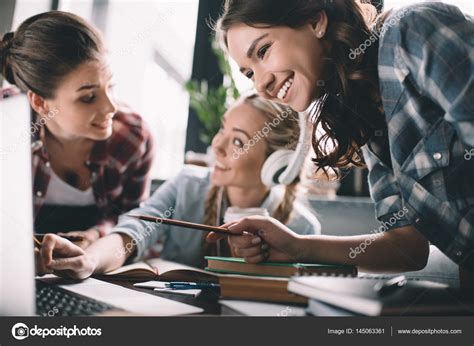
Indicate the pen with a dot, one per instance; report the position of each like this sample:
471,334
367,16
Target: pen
37,243
73,238
190,285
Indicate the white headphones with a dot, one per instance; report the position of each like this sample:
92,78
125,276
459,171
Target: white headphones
283,166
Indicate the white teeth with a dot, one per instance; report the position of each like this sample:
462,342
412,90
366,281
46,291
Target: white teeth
221,166
281,94
284,89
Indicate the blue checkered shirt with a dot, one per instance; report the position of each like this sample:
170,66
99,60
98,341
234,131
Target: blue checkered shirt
426,71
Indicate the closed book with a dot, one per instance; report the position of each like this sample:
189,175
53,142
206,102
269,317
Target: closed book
318,308
364,296
267,289
233,265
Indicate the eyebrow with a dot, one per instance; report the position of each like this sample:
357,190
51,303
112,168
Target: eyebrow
254,44
93,86
252,48
240,130
87,86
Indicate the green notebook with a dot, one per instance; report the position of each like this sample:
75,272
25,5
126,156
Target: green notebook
233,265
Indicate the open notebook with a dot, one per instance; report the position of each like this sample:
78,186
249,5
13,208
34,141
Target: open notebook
160,269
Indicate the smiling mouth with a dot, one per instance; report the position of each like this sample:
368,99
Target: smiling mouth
284,89
221,167
103,125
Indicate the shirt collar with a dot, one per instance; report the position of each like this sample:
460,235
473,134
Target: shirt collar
270,202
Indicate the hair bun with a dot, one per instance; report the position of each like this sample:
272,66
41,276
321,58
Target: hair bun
5,45
7,41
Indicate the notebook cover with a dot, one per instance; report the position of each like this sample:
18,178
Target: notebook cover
280,264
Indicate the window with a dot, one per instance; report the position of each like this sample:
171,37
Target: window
151,48
82,8
26,8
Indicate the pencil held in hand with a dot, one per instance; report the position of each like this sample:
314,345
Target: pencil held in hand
185,224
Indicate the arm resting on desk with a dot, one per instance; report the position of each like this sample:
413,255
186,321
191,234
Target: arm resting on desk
69,260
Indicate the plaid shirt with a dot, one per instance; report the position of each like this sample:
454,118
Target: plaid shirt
426,70
119,168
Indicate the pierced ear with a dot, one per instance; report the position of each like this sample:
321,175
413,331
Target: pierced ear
38,103
320,24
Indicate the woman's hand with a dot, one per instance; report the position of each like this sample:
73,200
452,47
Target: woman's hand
259,238
61,257
88,237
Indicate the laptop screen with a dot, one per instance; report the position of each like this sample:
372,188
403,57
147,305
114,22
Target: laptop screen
17,288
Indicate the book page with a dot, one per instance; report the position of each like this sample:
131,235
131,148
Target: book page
165,266
131,267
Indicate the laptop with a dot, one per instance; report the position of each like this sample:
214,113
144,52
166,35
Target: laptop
20,293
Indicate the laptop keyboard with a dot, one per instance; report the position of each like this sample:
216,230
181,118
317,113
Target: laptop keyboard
52,300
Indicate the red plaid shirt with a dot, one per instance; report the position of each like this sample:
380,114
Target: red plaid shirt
119,168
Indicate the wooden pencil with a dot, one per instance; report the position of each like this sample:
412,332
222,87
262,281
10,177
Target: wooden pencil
37,243
185,224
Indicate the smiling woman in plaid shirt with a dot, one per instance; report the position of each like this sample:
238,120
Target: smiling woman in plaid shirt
396,88
90,160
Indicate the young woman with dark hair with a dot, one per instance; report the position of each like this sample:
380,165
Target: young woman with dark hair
90,159
393,91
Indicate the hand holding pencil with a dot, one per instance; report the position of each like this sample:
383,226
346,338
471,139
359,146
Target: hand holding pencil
55,254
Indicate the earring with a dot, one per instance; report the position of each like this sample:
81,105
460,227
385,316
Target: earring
321,34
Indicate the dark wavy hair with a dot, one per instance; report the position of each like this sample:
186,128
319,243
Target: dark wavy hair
350,111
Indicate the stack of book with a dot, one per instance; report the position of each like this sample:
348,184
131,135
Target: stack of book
267,281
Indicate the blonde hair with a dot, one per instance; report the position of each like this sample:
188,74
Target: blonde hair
284,135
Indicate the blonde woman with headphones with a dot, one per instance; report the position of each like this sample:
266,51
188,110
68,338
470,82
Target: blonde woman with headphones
260,145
